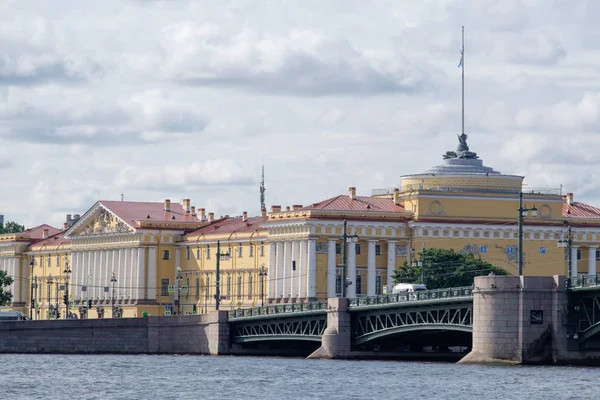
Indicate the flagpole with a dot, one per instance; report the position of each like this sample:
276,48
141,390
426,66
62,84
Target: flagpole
462,67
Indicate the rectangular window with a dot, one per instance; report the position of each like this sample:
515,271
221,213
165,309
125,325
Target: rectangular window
187,283
240,250
338,248
250,287
262,249
197,253
197,286
228,285
377,249
239,287
164,287
358,284
166,255
251,251
579,254
597,255
208,252
357,248
338,285
187,252
58,261
229,251
49,260
378,285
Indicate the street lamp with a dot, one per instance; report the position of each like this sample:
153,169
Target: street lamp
67,271
225,256
113,280
567,242
523,212
418,263
177,302
346,239
262,275
32,305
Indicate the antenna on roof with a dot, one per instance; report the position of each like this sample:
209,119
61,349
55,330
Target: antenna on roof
122,196
262,190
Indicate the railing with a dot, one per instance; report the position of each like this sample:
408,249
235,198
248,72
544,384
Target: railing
583,281
278,309
480,189
440,295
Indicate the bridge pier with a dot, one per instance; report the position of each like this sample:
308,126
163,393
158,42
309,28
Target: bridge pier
336,339
518,320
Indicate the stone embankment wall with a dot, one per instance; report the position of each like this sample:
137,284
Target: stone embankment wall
185,334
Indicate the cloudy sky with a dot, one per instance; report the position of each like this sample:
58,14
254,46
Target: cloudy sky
176,99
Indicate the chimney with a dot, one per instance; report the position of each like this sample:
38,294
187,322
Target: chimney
68,217
202,212
275,209
287,208
76,217
65,226
352,192
193,211
45,233
186,205
263,213
167,205
296,207
211,216
245,216
569,198
397,196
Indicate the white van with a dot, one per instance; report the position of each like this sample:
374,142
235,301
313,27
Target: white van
408,287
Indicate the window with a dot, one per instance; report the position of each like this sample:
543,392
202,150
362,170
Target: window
249,287
597,255
239,287
228,285
377,249
187,283
240,250
579,254
338,285
197,286
58,261
207,288
164,287
187,252
262,249
358,284
208,252
378,285
357,248
338,248
49,260
483,249
542,250
166,255
251,251
229,251
197,253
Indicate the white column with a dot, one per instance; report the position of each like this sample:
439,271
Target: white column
151,281
279,271
131,288
574,260
311,276
287,269
96,273
294,273
371,268
271,271
351,291
141,278
303,272
119,273
391,264
592,260
18,278
331,268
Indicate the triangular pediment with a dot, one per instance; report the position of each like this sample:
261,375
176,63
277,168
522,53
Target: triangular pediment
99,221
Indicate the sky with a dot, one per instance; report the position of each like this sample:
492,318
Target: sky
176,99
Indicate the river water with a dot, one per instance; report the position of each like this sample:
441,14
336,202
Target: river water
70,377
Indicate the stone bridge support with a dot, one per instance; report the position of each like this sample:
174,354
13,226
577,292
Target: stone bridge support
519,320
336,340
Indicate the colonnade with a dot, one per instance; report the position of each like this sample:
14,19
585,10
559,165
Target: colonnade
11,265
591,269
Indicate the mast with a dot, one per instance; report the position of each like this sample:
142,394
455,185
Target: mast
462,67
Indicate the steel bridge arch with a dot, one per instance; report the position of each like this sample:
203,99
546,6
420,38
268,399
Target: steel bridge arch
308,328
412,328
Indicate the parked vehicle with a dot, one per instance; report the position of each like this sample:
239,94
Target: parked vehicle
12,316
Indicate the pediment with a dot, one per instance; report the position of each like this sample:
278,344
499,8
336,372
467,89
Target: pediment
99,221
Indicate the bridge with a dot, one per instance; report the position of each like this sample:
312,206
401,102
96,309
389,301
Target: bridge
373,319
583,313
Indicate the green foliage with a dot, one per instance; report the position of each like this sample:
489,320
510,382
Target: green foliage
445,268
5,295
11,227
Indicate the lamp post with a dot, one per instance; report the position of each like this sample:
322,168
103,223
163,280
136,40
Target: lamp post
56,287
346,239
67,271
567,242
523,212
262,275
32,305
177,291
419,263
218,271
113,280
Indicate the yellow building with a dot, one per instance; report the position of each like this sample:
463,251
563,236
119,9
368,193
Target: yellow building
162,258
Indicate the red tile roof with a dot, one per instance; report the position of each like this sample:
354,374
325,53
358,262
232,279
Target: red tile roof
359,203
579,210
131,211
36,233
231,225
53,242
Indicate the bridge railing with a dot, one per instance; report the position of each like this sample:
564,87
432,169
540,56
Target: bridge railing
583,281
416,297
278,309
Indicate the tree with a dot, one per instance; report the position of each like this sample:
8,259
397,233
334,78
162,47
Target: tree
5,295
11,227
445,268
